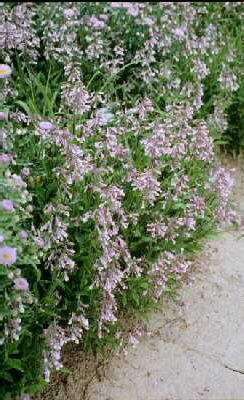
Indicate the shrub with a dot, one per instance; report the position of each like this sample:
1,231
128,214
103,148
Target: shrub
110,122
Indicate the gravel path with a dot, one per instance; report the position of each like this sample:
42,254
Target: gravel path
196,350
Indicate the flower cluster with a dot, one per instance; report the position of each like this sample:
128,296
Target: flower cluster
222,182
18,31
57,337
16,246
168,264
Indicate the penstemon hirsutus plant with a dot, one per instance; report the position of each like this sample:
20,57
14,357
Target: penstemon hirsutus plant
114,112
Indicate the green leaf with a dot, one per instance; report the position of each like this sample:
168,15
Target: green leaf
6,376
14,363
24,106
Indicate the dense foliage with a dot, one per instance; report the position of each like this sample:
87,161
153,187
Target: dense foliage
111,116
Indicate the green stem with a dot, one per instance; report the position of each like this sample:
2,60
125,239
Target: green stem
93,77
119,71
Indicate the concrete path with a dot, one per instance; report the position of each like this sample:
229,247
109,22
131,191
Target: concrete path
197,349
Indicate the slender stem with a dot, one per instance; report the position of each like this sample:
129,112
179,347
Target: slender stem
93,77
118,72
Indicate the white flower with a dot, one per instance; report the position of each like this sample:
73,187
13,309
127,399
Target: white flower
104,115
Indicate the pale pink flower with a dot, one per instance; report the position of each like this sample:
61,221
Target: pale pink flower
96,23
25,171
103,16
180,32
148,21
117,4
7,205
25,397
18,181
45,125
23,235
3,116
132,9
158,229
39,242
8,255
69,13
5,159
21,284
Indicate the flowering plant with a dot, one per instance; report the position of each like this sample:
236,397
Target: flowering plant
110,123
